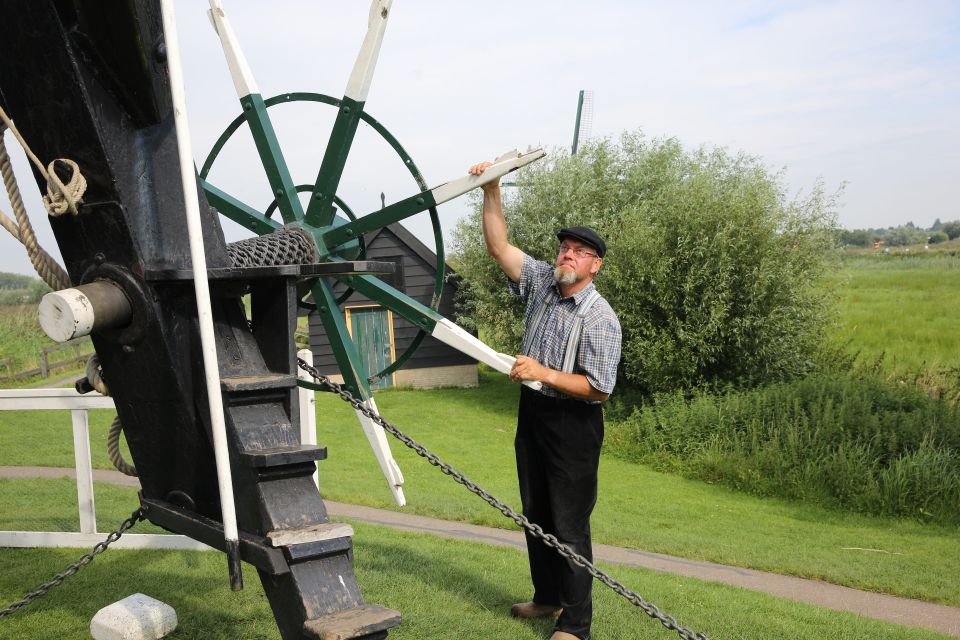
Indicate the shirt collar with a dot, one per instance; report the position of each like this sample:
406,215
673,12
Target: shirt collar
579,296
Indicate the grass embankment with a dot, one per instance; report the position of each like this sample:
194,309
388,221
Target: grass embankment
447,589
852,441
638,508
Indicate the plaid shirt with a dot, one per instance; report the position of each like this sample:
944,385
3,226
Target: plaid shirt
599,351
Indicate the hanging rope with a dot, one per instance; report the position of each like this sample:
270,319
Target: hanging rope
62,197
46,267
95,378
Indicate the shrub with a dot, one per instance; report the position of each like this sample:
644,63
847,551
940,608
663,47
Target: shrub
856,442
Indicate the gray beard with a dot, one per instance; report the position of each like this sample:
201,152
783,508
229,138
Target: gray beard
564,277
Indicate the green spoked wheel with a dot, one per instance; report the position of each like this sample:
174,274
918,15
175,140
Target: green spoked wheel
346,245
336,232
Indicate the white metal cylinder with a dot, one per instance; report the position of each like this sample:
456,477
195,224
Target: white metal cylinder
78,311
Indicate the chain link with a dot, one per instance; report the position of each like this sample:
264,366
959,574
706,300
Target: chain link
535,530
84,560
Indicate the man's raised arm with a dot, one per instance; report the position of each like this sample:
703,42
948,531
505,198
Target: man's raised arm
509,257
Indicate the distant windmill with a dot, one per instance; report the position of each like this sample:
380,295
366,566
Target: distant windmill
581,130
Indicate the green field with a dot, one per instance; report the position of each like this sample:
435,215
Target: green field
901,308
20,337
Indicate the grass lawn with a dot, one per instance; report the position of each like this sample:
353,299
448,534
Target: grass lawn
901,308
638,508
447,589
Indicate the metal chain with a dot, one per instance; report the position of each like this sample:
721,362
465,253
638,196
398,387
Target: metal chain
534,529
84,560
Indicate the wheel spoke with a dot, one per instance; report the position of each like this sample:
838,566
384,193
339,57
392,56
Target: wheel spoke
354,377
255,112
241,213
510,161
381,218
274,164
320,209
344,351
431,322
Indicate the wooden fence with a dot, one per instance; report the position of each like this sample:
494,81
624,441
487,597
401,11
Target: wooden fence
77,355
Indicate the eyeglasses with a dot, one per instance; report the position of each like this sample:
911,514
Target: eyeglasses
580,252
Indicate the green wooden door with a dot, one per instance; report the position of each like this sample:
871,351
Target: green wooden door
370,328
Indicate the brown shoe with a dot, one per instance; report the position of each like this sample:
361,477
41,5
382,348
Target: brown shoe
563,635
534,610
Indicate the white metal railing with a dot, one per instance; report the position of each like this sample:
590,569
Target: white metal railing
78,405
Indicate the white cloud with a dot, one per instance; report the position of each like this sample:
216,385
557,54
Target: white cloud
864,92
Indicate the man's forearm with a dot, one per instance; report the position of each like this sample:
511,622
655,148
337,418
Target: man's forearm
574,385
571,384
494,224
507,256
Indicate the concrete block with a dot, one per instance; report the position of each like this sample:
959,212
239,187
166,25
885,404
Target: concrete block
136,617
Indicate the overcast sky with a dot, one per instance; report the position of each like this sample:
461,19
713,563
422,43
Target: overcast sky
861,93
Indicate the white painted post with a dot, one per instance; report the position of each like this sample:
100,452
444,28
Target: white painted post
81,456
202,290
308,407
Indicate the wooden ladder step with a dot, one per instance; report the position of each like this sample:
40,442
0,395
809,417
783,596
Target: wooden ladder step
314,533
352,623
280,456
268,382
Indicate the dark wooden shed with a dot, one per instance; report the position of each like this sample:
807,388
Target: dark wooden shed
382,336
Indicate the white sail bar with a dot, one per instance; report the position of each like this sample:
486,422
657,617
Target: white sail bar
381,449
504,164
202,290
452,335
358,86
236,61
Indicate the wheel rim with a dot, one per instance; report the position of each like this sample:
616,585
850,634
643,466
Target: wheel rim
286,98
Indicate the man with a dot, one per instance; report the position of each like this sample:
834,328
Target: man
571,345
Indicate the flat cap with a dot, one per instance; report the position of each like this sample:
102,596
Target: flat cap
585,235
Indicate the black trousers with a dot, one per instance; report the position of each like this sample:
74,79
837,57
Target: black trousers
558,451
